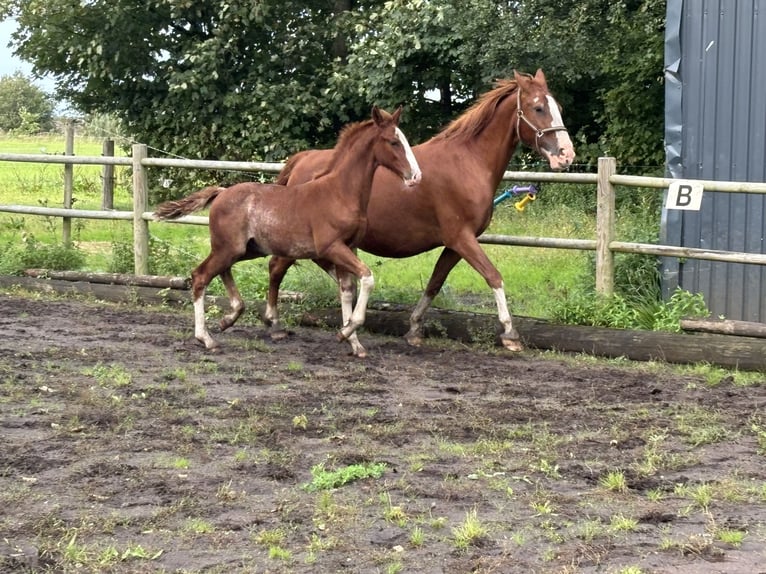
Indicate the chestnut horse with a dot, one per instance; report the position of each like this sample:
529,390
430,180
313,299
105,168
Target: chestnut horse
463,166
321,219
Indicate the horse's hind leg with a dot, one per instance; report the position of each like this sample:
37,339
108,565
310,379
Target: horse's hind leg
446,262
200,280
235,300
278,266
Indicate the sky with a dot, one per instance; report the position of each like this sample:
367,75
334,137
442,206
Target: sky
10,63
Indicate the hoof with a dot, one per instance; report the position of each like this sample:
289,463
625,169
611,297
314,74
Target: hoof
413,340
357,350
512,344
278,335
211,345
359,354
223,324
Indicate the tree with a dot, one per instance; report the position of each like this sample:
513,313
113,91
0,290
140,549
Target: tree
260,80
24,107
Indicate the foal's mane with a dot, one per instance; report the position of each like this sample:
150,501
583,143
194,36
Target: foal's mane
479,115
346,140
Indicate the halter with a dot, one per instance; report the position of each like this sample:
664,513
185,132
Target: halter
538,131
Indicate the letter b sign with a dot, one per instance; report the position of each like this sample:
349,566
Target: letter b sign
684,195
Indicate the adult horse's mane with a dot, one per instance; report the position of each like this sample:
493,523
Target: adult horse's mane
479,115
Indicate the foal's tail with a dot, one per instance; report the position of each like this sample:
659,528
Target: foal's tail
189,204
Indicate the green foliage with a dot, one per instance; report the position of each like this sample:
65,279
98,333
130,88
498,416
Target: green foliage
163,258
681,304
24,108
241,80
30,253
102,126
328,479
584,307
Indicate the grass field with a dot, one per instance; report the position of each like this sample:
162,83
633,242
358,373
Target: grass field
533,276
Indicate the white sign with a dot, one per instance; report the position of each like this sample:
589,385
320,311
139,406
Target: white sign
685,195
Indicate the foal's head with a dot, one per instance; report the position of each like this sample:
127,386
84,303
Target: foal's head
539,123
391,148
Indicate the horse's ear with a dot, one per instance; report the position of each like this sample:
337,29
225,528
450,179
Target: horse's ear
377,115
540,77
396,115
520,78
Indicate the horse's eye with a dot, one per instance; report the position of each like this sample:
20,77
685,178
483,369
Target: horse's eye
396,143
539,109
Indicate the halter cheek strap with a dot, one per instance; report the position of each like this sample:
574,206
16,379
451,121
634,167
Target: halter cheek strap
539,132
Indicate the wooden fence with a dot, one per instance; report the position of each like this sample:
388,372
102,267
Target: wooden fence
606,180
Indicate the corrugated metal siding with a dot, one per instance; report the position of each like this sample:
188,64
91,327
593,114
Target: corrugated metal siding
718,88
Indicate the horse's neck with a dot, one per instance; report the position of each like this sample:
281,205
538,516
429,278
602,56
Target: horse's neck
353,172
495,144
500,138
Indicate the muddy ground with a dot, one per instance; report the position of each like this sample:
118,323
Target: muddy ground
126,447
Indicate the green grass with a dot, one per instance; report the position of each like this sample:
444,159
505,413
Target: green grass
323,479
534,277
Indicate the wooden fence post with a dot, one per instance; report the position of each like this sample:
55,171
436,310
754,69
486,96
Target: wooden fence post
140,205
66,222
607,166
107,176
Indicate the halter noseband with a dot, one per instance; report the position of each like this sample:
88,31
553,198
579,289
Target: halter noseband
538,131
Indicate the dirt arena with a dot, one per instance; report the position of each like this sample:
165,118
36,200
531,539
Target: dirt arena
127,447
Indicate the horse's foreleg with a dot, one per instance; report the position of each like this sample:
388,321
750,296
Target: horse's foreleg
235,300
346,262
346,291
278,267
358,315
510,336
446,262
472,252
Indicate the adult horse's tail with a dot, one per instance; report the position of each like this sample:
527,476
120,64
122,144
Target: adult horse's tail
284,175
189,204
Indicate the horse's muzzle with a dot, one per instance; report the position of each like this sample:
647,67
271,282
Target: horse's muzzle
562,158
414,179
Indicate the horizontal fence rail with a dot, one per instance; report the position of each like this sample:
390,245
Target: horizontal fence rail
605,245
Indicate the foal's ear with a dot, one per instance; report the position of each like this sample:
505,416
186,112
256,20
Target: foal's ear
378,115
396,115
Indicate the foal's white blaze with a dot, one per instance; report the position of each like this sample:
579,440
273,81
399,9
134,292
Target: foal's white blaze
566,153
414,167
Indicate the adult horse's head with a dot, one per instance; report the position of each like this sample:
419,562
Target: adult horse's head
539,123
392,150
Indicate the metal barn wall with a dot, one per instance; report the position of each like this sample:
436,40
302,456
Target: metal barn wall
715,128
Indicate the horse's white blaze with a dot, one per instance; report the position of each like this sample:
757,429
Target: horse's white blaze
565,143
414,167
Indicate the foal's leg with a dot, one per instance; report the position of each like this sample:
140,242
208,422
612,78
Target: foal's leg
345,261
235,300
278,266
347,290
201,277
